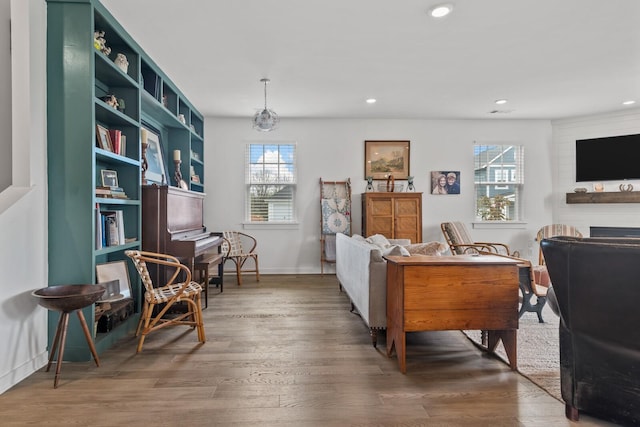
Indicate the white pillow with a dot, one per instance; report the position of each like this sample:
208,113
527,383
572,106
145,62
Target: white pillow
395,250
379,240
427,248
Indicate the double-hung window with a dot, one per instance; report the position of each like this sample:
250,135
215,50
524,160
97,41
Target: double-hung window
499,181
270,177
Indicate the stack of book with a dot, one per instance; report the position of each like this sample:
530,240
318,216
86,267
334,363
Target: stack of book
109,228
118,141
111,192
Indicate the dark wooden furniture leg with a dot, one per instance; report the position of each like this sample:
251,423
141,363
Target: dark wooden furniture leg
87,335
571,412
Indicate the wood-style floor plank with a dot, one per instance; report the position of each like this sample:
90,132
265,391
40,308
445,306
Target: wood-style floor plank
284,352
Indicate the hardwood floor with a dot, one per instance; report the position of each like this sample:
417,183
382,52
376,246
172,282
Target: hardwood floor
284,352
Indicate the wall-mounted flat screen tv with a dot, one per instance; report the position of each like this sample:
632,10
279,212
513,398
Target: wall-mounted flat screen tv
608,159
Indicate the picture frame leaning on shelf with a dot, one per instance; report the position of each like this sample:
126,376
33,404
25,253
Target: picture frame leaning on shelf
109,178
103,138
155,172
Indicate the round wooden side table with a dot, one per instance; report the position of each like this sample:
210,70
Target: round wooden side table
67,299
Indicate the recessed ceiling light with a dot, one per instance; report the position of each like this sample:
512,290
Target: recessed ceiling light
501,101
371,101
630,102
441,10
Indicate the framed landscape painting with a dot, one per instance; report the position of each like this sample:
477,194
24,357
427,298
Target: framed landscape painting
385,158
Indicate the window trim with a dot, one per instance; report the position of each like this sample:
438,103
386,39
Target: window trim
515,179
294,222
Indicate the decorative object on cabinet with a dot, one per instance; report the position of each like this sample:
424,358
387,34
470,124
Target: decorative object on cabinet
103,138
109,178
267,119
384,158
394,215
390,185
410,186
155,173
335,217
626,187
369,184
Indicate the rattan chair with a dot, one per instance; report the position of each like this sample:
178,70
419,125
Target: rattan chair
234,250
170,293
460,242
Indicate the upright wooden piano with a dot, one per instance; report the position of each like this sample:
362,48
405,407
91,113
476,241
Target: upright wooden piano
172,223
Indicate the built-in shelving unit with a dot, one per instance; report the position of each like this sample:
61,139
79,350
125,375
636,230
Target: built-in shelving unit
79,79
604,197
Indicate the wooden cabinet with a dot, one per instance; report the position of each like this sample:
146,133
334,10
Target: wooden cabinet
79,78
394,215
443,293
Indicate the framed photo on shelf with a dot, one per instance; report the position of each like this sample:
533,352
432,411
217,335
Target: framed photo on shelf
116,270
109,178
156,172
103,138
385,158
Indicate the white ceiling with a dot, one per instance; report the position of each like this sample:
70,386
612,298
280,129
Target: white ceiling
550,58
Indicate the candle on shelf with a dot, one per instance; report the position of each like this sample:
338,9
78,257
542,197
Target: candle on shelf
176,154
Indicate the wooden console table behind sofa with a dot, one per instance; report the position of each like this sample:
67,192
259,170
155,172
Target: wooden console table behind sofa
461,292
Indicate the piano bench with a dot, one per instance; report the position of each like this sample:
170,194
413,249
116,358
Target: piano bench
201,274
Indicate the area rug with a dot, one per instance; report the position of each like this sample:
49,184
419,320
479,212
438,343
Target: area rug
538,350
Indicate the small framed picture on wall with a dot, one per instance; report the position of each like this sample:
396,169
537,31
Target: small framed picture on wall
445,182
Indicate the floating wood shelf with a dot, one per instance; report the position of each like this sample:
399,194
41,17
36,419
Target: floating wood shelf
605,197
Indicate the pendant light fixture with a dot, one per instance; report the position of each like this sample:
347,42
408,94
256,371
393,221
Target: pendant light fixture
265,120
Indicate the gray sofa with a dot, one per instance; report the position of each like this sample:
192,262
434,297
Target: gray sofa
362,273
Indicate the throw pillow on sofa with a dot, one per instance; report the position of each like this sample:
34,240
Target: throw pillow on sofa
379,240
395,250
427,248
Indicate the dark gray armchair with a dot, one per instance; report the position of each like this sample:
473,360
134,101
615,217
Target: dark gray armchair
596,282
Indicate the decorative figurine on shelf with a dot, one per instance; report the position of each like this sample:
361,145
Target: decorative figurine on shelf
100,43
121,105
410,187
122,62
177,176
145,164
111,100
369,188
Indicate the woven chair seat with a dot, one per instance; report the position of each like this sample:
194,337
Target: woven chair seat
164,294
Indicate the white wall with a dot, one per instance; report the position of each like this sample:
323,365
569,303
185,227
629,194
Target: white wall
334,150
565,134
5,94
23,208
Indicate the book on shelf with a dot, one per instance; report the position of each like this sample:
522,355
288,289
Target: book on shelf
116,139
99,228
111,226
111,192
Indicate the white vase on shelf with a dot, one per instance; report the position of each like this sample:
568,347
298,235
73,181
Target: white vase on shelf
122,62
